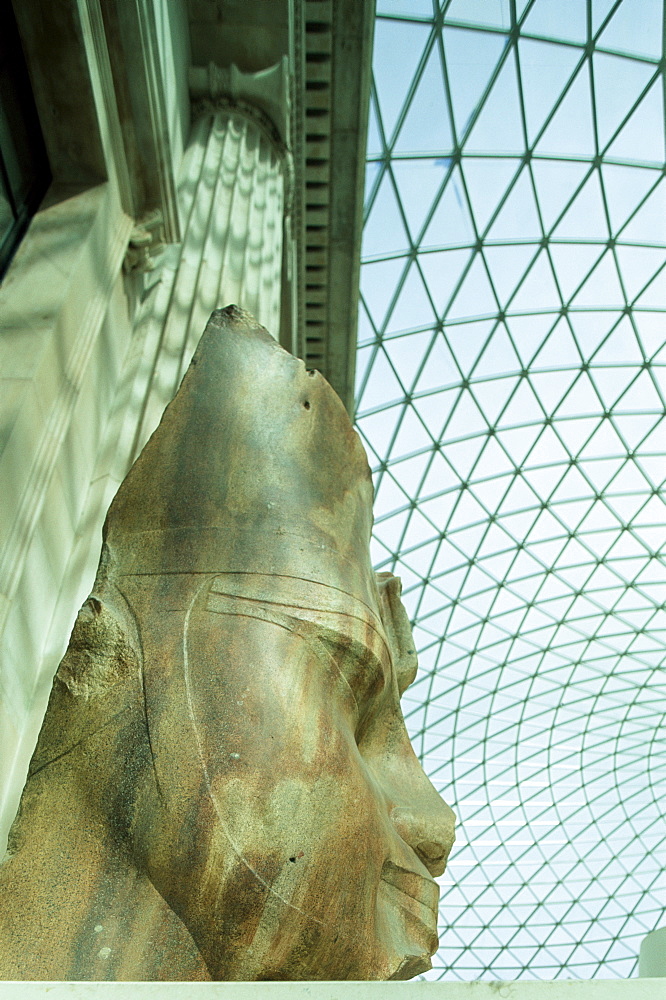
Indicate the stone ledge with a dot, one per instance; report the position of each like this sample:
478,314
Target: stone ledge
560,989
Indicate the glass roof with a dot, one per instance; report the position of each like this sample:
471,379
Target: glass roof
511,382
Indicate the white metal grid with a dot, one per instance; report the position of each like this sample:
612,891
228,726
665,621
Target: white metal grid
511,393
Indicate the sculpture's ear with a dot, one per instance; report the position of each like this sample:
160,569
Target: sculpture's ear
98,675
398,628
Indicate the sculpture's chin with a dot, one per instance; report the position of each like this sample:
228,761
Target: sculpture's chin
412,965
413,938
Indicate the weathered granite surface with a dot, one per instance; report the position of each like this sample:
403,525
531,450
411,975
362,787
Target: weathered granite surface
223,787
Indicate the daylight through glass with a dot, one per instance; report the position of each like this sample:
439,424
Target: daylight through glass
511,386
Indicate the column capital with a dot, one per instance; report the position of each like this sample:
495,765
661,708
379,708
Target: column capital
263,96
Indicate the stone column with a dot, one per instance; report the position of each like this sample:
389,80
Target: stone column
235,192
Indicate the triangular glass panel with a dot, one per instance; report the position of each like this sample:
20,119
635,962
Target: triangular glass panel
492,396
384,231
600,12
378,284
572,487
590,328
647,225
451,223
407,354
611,383
636,427
499,357
559,350
603,443
373,169
545,69
625,188
418,182
618,84
641,396
656,442
602,287
379,428
439,509
654,466
439,478
581,399
620,347
551,386
408,8
435,408
518,218
499,125
519,441
490,15
653,512
413,308
529,332
507,264
440,368
637,265
374,145
585,218
364,357
468,511
442,270
566,21
654,296
382,385
461,457
467,340
642,138
411,437
538,293
556,181
471,57
487,178
575,432
601,471
570,131
410,473
571,262
389,497
398,46
427,127
475,296
466,419
523,408
494,462
635,28
418,532
651,333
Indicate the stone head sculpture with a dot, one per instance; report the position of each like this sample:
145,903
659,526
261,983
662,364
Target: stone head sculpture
223,787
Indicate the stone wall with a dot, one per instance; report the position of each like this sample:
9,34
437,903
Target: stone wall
94,339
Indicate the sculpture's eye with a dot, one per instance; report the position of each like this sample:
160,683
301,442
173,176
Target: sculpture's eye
363,673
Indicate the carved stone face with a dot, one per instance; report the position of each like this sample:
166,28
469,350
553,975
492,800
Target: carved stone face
298,834
224,746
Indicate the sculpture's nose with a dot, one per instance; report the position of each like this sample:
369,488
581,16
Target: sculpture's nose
428,826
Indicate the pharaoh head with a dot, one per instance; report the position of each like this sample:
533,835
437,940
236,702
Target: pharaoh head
247,666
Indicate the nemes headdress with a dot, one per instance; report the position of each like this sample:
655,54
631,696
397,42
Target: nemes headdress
254,468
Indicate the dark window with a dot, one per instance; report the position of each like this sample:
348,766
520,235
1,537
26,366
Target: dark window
24,169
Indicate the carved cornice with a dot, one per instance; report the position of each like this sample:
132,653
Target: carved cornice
334,39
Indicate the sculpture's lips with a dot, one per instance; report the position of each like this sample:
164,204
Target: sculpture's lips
415,893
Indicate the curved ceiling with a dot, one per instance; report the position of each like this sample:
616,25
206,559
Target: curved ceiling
511,387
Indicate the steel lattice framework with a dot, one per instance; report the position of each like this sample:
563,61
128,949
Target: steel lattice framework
511,392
